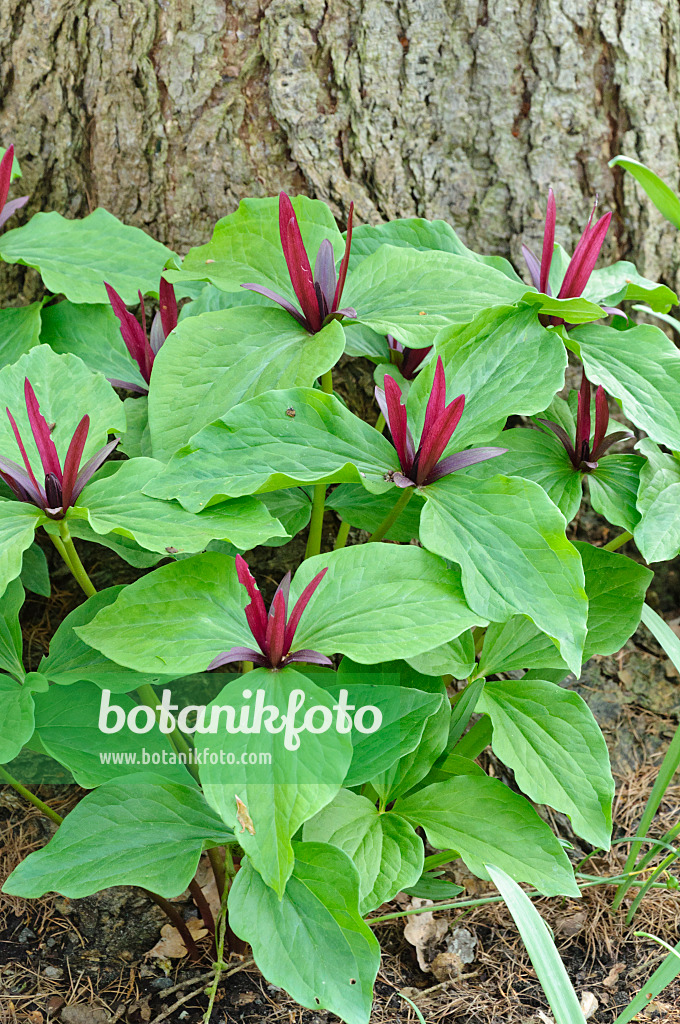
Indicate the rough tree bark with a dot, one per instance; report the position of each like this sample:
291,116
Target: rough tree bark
167,112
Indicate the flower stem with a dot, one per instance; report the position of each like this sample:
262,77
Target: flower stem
380,423
319,500
617,542
72,560
148,696
174,916
31,797
341,538
391,518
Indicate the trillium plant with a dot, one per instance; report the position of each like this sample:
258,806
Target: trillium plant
444,606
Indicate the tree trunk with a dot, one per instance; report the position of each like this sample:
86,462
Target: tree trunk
167,113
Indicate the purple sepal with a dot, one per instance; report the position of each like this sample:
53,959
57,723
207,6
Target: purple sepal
533,265
462,459
127,385
275,297
609,440
400,480
236,654
91,467
561,433
10,208
613,311
310,657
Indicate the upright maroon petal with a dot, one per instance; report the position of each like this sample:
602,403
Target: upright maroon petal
432,448
41,433
436,403
167,306
134,335
300,605
275,640
342,275
583,417
256,613
6,174
548,243
585,257
72,461
601,417
24,456
297,262
396,421
413,357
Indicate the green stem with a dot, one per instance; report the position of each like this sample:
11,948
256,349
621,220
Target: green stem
392,516
70,556
319,500
343,534
218,869
380,423
148,696
31,797
617,542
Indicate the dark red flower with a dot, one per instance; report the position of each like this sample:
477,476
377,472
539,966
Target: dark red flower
7,209
144,350
584,453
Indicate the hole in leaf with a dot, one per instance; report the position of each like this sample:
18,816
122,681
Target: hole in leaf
317,1000
352,981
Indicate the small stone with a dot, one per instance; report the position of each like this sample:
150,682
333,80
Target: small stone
158,984
53,972
83,1013
25,935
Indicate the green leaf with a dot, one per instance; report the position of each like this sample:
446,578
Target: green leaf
136,442
662,977
292,508
620,281
616,588
663,197
140,830
405,708
35,574
417,233
455,658
384,849
19,331
66,391
366,511
509,540
313,942
281,785
575,311
11,642
266,448
440,288
431,887
91,332
639,367
486,823
614,487
549,738
75,257
125,548
246,246
18,523
212,363
67,725
378,602
658,533
70,660
16,717
492,361
209,299
536,455
541,949
116,503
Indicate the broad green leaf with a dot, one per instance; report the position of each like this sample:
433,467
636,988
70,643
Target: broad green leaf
508,538
412,294
639,367
125,548
431,887
379,602
663,197
539,944
493,361
365,511
67,725
313,942
448,766
140,830
292,508
136,441
35,574
116,503
282,776
384,849
455,658
362,341
11,642
212,363
549,738
16,717
91,332
616,588
210,299
406,710
614,488
658,533
246,246
536,455
18,523
486,823
66,391
75,257
263,447
175,620
418,233
19,331
620,281
575,311
70,660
